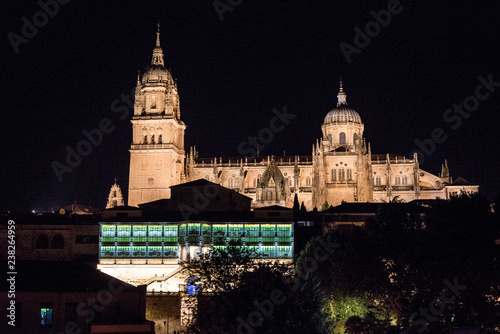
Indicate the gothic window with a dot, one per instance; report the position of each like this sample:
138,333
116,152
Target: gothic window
308,181
145,139
153,101
231,183
349,174
354,138
159,139
57,242
342,138
404,180
378,180
254,182
398,180
115,203
258,179
152,139
334,174
330,138
114,193
341,174
42,241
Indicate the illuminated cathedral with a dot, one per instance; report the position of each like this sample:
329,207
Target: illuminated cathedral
341,167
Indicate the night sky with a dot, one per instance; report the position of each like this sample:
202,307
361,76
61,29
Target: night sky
232,73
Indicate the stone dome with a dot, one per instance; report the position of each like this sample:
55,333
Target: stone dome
342,113
157,73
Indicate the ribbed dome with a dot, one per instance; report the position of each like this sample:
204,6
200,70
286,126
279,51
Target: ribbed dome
157,73
342,114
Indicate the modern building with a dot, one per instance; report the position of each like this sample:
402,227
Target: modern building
340,168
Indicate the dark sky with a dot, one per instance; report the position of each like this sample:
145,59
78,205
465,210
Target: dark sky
232,73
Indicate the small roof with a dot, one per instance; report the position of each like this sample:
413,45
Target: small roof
460,181
273,207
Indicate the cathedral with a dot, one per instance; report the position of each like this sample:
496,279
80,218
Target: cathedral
341,167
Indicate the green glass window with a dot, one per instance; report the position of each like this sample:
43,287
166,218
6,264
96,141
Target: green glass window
235,232
219,233
154,233
206,232
284,232
107,251
170,251
193,232
46,314
251,232
220,248
139,251
170,232
268,252
108,233
285,252
154,251
123,233
139,233
123,251
268,232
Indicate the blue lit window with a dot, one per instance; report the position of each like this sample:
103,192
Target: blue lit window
46,314
191,287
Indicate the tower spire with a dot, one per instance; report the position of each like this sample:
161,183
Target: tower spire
341,96
157,51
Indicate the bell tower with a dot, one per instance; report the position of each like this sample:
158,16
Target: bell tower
157,151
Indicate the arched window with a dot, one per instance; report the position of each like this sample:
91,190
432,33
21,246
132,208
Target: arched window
152,139
330,138
334,174
57,242
290,181
404,180
342,138
42,241
115,203
398,180
341,174
160,140
354,138
349,174
145,139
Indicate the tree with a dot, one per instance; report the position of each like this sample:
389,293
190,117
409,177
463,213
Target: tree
242,294
325,206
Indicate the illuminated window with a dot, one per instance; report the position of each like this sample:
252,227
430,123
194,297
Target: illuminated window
123,233
155,232
108,251
284,232
139,251
251,232
170,251
170,232
108,233
42,241
46,314
194,232
191,287
182,232
154,251
235,232
219,233
206,233
123,251
268,252
139,233
284,252
342,138
268,232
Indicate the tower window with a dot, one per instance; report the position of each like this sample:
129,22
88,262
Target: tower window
153,101
330,138
342,138
354,138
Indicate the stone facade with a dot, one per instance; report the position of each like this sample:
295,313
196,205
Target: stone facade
340,168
